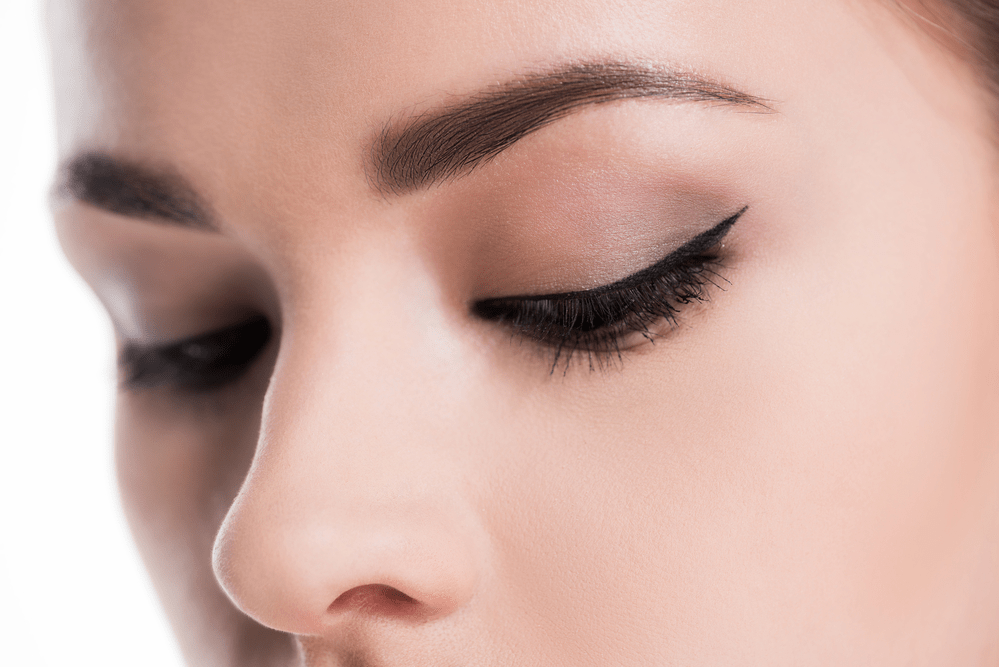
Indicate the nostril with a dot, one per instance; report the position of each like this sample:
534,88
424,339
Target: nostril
376,599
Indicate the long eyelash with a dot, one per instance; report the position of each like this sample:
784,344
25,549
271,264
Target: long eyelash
197,364
596,321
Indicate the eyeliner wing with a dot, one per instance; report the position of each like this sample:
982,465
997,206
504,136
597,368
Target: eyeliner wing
498,307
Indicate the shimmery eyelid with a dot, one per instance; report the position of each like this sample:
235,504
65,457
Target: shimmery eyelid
697,245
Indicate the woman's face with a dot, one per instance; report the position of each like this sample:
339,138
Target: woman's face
777,446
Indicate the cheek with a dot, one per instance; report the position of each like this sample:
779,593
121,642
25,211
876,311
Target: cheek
180,463
178,472
178,468
893,351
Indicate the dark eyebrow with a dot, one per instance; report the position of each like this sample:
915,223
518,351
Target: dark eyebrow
446,143
135,190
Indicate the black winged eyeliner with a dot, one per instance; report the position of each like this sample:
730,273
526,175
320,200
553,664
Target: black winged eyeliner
597,320
698,245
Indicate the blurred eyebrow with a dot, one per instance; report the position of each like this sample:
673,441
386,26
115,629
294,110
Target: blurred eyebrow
443,144
134,190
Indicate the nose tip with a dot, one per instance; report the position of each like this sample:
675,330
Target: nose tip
306,573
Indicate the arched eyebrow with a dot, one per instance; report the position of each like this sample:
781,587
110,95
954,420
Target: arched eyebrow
445,143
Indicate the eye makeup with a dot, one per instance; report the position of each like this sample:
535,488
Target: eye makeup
599,321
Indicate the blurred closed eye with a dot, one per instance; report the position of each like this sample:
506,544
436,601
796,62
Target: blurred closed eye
200,363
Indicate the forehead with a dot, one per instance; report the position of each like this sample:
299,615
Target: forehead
235,70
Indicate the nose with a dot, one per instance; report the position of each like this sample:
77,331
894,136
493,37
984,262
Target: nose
354,503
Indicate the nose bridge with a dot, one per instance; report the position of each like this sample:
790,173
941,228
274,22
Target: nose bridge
354,503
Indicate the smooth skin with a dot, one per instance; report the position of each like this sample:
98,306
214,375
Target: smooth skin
803,471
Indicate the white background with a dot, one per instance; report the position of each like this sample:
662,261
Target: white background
72,589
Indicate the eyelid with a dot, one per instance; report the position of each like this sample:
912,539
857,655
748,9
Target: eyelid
701,243
599,321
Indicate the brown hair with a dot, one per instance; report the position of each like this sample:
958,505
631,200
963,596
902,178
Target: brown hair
968,27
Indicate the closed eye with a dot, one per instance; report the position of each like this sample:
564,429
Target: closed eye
199,363
599,320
